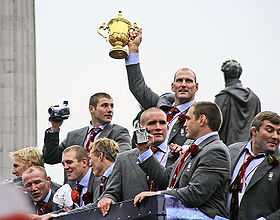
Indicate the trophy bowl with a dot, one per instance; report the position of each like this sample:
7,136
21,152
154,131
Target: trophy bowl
116,32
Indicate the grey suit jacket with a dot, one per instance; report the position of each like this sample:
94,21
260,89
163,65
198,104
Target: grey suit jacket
203,181
148,98
262,195
127,178
52,150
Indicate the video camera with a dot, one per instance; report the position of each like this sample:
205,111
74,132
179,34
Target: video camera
59,113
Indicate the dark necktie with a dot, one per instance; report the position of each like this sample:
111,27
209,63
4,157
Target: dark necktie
151,183
92,134
103,182
43,207
237,185
172,112
193,149
76,193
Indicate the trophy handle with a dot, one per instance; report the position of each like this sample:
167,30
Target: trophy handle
102,30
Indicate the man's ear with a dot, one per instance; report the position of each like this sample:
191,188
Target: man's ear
172,86
49,178
203,120
101,156
91,108
253,132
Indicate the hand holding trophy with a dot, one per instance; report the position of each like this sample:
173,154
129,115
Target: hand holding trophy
119,31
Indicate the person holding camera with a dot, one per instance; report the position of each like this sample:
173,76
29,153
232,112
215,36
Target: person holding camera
200,176
101,110
127,178
238,104
184,88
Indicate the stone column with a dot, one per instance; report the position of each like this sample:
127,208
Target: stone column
18,117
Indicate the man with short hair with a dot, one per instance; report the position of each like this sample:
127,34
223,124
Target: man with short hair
101,110
76,165
184,88
199,178
38,185
22,159
255,183
127,178
238,104
103,154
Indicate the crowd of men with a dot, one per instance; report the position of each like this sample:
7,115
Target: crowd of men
221,160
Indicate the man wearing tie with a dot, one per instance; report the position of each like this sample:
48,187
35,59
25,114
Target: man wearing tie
255,185
103,154
127,178
101,110
76,165
184,87
199,178
38,185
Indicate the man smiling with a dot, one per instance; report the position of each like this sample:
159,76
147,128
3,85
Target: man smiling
255,189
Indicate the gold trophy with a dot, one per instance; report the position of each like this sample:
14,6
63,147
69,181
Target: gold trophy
116,32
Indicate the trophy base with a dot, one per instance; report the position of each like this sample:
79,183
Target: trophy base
118,53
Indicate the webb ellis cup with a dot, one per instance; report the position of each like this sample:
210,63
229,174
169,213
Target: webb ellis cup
117,33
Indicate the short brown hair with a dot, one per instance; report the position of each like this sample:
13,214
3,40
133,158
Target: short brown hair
81,153
109,147
29,154
212,113
94,99
273,117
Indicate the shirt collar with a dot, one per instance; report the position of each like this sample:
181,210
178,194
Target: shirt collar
84,181
184,106
249,148
46,199
163,147
109,170
91,127
204,137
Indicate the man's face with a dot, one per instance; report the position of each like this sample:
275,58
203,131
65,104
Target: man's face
97,163
74,169
103,112
267,138
19,166
155,123
192,125
184,86
36,184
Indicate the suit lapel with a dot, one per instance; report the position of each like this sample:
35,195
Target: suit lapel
235,156
91,182
262,169
189,160
82,136
137,170
106,131
176,127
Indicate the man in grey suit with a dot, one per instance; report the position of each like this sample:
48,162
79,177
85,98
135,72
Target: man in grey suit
127,178
255,185
38,185
76,165
200,177
101,111
103,155
184,88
